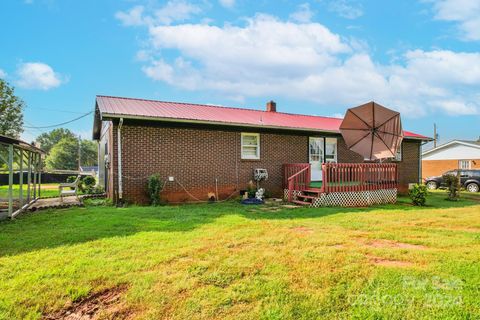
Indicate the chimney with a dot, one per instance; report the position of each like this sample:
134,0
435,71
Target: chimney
271,106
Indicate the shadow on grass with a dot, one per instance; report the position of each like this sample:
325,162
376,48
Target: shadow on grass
53,228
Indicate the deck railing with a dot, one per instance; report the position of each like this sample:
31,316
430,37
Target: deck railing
296,177
352,177
341,177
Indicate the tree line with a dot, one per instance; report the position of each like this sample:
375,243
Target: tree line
62,146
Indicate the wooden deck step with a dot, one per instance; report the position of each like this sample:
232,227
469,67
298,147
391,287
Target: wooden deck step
306,196
313,190
302,203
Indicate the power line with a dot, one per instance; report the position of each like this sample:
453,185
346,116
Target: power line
55,110
60,124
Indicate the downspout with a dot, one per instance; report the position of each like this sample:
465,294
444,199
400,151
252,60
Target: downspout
119,151
420,157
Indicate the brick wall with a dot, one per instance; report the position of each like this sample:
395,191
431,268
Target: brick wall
438,167
204,161
408,168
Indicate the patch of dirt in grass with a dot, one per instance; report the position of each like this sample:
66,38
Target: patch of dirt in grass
290,206
105,304
464,229
379,261
380,243
336,246
302,229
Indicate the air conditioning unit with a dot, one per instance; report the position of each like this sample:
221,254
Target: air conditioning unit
260,174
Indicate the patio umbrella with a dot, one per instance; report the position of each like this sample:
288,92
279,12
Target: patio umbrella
373,131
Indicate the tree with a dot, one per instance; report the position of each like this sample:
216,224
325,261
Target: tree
48,139
11,111
88,153
63,155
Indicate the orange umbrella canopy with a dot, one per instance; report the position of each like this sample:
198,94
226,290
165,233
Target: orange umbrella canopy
373,131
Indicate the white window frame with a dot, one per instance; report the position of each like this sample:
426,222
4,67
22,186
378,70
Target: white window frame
399,154
335,153
469,166
249,157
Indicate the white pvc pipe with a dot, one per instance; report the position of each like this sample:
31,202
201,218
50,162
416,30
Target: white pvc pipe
119,151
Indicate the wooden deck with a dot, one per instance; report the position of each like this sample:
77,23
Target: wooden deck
350,182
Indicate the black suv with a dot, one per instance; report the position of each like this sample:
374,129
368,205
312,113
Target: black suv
469,179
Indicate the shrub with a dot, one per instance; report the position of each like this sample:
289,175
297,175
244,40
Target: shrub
154,187
98,190
418,194
87,184
71,179
453,186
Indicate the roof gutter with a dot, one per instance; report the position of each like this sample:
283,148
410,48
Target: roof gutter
176,120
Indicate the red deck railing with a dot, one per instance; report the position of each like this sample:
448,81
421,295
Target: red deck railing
342,177
352,177
296,176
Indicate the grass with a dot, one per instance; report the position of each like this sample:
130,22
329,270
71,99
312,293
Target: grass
227,261
47,190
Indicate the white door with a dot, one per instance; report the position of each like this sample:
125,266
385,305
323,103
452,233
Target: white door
315,155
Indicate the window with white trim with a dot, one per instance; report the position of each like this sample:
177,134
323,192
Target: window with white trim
250,145
398,154
464,164
331,150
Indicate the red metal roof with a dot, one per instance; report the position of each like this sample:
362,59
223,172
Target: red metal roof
188,112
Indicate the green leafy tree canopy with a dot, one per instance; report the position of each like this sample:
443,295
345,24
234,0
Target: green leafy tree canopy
48,139
89,153
11,111
63,155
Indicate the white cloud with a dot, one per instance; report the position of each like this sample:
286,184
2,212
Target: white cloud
268,57
227,3
464,12
172,11
37,75
3,74
346,9
133,17
303,14
159,70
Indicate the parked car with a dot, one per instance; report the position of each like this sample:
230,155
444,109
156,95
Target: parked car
469,179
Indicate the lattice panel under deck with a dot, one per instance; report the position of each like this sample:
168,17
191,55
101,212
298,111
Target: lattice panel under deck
294,195
356,199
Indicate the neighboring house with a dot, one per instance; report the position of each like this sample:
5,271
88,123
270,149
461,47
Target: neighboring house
456,154
204,149
89,169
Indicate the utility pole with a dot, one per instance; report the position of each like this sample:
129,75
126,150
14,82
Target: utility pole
79,150
434,135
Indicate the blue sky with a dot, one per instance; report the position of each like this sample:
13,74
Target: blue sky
314,57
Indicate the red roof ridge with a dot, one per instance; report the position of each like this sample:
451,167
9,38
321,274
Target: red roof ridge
216,106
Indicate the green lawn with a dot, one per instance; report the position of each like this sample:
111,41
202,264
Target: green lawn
47,190
227,261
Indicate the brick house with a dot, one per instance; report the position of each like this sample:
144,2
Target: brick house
202,149
456,154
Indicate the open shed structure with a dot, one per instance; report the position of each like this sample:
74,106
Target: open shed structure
20,175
